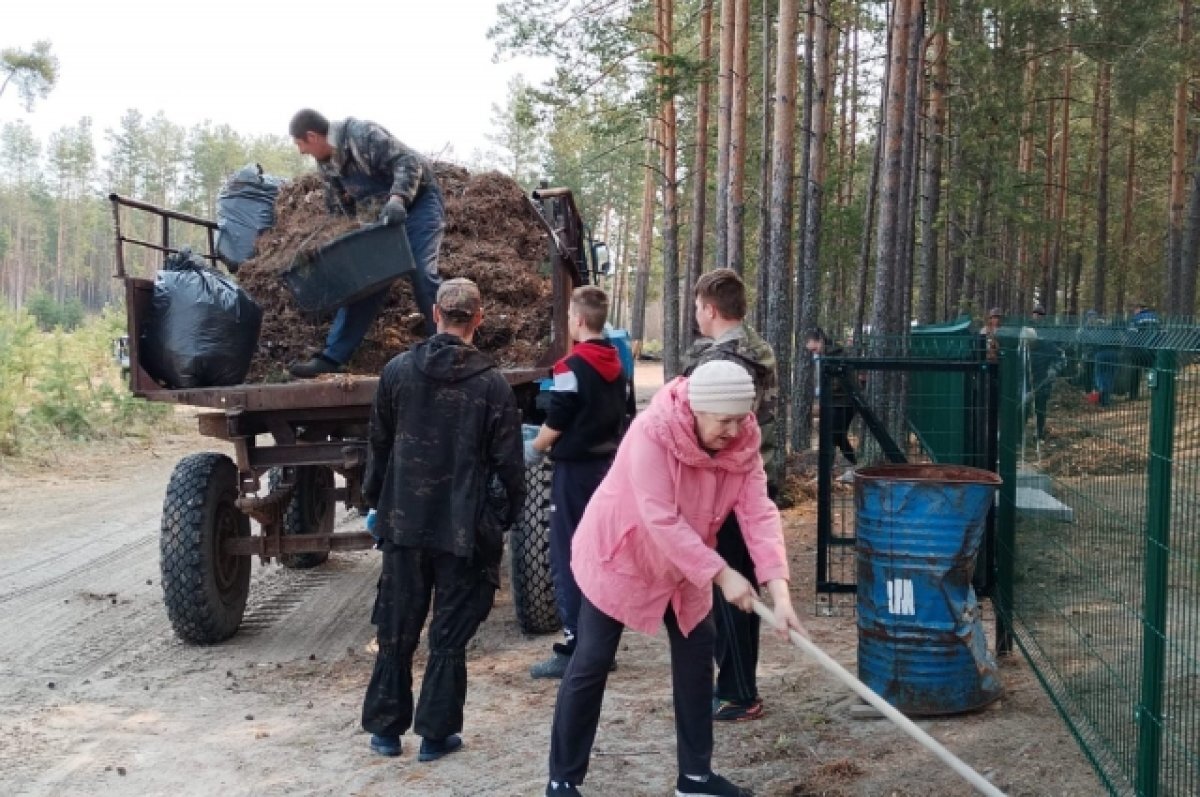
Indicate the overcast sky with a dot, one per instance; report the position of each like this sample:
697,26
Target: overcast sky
422,68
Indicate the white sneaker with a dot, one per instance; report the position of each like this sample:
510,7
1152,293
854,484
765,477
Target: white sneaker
847,477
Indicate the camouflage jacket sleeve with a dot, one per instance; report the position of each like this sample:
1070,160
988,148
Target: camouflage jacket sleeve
379,152
695,354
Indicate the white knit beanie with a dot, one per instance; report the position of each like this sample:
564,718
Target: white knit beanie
722,388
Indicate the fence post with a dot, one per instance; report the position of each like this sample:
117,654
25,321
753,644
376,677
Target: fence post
1011,420
1154,597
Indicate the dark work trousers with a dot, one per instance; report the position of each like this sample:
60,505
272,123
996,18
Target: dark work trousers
424,225
840,423
1041,400
1106,374
581,693
571,487
736,649
462,597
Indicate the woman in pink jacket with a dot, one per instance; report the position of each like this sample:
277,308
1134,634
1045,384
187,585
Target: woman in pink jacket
643,556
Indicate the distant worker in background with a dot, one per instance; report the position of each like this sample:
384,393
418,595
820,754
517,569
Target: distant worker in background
1136,355
1045,359
589,409
818,344
991,344
1102,350
720,317
360,162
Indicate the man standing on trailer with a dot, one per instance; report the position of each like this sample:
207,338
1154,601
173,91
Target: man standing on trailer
446,474
360,161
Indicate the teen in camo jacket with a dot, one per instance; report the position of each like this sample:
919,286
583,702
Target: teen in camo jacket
720,315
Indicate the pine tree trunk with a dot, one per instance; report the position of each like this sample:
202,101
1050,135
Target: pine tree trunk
1189,258
1024,167
699,176
956,226
724,118
891,178
637,321
871,204
931,192
843,123
972,272
902,285
853,105
764,175
1064,159
1178,171
805,133
621,289
777,327
1048,297
666,36
1063,178
1127,209
736,257
1104,89
802,394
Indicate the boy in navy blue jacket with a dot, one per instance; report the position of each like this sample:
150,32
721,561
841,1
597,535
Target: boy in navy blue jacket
590,404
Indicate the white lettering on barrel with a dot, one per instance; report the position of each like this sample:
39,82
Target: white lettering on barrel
900,596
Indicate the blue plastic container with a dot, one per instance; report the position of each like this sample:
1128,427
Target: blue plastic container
921,643
620,339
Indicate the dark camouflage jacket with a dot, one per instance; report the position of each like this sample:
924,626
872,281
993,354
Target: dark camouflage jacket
368,162
743,346
444,429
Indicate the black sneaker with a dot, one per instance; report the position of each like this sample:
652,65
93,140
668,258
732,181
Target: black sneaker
314,366
433,749
713,786
561,789
385,745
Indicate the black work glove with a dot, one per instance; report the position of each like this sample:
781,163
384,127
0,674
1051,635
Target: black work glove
394,212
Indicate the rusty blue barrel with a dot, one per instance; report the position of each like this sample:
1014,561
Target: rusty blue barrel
921,643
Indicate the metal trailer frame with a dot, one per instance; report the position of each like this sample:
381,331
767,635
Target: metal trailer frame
317,425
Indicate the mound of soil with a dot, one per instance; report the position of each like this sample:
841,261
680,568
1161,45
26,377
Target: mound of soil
492,237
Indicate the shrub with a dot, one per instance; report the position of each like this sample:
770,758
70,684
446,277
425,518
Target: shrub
51,314
65,385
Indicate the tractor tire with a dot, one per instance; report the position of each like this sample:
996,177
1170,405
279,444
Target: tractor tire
310,510
532,586
204,592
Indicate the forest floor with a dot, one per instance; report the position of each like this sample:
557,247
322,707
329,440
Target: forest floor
97,695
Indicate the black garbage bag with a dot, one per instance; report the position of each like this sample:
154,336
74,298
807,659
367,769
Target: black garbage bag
245,207
202,329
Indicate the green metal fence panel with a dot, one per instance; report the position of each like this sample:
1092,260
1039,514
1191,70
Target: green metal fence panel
1097,537
939,409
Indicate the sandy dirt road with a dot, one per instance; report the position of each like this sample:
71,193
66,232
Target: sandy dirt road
97,696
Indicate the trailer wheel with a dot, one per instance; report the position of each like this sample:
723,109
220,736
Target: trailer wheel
532,586
310,510
204,591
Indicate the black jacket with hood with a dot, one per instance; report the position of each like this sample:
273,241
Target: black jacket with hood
588,402
445,468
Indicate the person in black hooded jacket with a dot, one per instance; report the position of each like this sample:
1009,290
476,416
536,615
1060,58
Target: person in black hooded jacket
445,472
590,407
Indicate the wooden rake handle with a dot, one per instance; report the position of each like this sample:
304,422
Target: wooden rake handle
888,710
